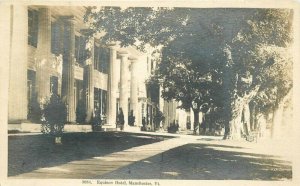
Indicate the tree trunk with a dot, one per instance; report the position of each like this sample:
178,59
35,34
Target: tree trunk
246,118
236,119
252,107
228,117
234,104
229,85
239,115
196,121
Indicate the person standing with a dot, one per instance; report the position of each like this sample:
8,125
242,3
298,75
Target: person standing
121,120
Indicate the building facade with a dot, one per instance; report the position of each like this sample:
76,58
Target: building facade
51,53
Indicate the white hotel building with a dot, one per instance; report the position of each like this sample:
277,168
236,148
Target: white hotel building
47,55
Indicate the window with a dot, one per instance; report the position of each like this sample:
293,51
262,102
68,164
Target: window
104,60
33,23
96,99
104,100
79,89
101,56
80,51
56,38
100,99
30,85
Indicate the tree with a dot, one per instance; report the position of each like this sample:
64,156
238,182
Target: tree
266,31
277,83
208,55
55,116
189,81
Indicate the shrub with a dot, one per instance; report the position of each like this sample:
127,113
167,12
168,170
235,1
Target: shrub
144,127
96,122
131,119
55,116
173,128
158,118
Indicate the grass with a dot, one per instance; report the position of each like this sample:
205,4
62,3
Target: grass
28,153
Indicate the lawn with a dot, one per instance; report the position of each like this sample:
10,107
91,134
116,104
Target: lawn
30,152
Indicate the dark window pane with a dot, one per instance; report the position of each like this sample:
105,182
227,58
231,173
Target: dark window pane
56,38
33,27
104,100
80,51
103,59
76,47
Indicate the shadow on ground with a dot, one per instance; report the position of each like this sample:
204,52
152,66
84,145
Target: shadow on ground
206,162
28,153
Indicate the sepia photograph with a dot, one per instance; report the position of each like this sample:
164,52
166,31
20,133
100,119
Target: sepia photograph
148,94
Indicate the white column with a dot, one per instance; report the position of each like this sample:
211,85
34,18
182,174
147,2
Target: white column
166,115
17,108
182,118
161,100
192,119
68,67
112,87
134,90
43,54
124,86
5,13
88,79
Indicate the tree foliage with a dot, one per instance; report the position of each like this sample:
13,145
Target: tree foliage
55,114
277,79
